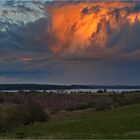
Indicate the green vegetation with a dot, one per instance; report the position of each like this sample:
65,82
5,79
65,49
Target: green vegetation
77,115
120,122
13,115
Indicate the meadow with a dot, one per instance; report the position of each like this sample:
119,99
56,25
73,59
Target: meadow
102,120
122,122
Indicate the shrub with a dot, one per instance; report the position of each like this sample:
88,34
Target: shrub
12,115
54,111
33,112
80,107
103,103
1,99
9,116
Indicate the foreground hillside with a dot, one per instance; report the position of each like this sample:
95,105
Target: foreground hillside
122,122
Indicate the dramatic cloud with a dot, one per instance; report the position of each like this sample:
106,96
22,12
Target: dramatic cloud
95,30
69,42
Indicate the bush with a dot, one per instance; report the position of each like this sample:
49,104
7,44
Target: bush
1,99
9,116
80,107
103,103
54,111
33,112
12,115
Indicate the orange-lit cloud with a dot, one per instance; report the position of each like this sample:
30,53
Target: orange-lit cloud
84,26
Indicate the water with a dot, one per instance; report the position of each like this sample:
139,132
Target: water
76,90
95,90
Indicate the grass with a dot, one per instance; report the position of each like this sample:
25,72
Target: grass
123,122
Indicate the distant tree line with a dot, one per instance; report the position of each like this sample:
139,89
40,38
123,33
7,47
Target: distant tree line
56,87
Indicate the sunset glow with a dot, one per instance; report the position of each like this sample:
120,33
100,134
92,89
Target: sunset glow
67,42
88,24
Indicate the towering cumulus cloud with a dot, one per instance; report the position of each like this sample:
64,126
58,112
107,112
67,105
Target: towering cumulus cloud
70,41
95,29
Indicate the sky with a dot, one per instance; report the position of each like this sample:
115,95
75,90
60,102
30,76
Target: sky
70,42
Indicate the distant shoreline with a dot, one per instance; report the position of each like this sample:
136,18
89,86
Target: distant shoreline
64,87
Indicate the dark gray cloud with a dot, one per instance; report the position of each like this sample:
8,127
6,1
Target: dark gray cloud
38,52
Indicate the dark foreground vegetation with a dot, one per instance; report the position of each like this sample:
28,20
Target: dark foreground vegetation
76,115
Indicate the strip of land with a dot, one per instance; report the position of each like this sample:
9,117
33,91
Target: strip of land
63,116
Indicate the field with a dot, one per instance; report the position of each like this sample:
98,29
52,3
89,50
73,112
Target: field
120,122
